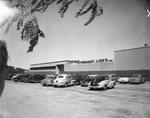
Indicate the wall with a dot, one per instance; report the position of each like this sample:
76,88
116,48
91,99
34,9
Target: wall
133,59
102,66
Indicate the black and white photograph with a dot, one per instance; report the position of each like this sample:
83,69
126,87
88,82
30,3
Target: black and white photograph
74,59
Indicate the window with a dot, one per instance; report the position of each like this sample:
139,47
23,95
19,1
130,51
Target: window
60,76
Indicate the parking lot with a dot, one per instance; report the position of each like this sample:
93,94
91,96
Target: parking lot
31,100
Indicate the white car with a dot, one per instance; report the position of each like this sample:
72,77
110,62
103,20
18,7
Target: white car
124,80
103,82
63,80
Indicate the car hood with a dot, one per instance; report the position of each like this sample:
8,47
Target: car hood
95,82
47,80
134,78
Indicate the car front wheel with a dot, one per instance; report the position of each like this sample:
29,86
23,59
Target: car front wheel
105,87
74,84
66,85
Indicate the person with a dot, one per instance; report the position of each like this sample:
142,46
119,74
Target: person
3,64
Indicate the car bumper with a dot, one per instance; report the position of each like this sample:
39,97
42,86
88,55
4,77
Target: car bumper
59,84
123,81
46,83
95,87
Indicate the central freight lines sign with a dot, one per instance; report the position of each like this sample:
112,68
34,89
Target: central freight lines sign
89,61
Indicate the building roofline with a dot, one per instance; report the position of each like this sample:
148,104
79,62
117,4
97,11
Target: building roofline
50,62
132,48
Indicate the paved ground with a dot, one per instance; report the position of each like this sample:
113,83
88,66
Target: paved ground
25,100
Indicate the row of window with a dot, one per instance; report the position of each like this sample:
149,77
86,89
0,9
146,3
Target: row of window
43,68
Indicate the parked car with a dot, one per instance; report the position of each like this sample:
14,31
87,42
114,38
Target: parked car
35,78
87,80
23,77
103,82
13,77
137,78
48,80
78,78
63,80
114,77
124,79
17,77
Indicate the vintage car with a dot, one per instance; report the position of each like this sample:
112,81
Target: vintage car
22,77
63,80
137,79
35,78
25,76
102,82
48,80
86,81
124,79
114,77
78,78
17,77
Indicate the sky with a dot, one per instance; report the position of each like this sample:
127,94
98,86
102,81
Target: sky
123,25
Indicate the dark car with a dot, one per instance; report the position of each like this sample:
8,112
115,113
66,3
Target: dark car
78,78
23,77
36,78
86,81
17,77
20,78
103,82
136,79
48,80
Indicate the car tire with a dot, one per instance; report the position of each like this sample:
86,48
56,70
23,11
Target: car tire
74,84
113,86
105,87
66,85
91,88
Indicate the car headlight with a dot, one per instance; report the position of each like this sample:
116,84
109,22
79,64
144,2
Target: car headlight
99,84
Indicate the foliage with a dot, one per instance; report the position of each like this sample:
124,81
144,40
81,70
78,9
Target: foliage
28,22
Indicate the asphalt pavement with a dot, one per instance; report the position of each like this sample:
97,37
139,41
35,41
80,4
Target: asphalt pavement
31,100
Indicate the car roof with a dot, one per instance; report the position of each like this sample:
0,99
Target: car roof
64,75
51,75
93,75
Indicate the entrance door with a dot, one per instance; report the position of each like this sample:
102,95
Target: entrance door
60,68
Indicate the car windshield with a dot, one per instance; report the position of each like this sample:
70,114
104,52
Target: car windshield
89,77
99,79
50,76
60,76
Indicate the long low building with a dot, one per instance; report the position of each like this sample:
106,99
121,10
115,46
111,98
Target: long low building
127,61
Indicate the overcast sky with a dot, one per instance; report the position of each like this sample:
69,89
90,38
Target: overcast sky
123,25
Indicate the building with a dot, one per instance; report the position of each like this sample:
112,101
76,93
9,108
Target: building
128,62
49,67
133,59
